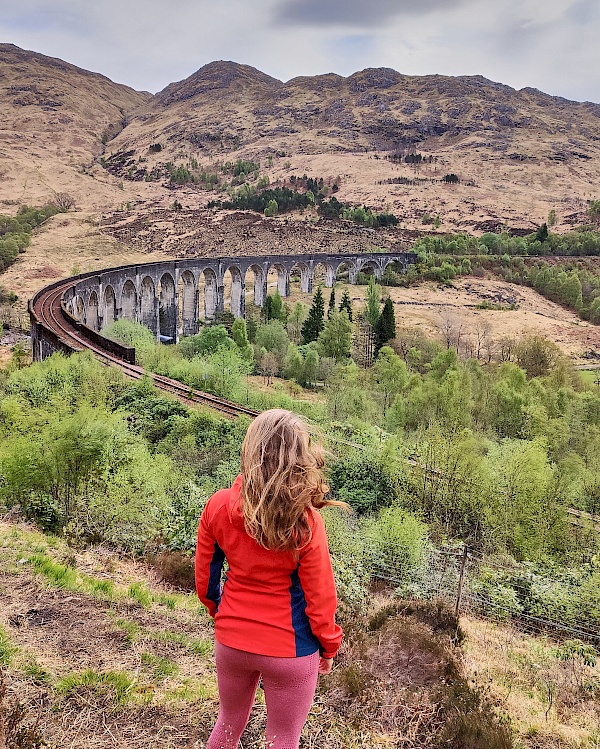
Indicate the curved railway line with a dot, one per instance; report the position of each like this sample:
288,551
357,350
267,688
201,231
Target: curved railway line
46,307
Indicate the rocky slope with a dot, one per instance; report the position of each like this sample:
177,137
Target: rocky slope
225,105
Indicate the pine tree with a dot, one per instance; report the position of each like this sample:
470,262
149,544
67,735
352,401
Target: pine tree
315,321
346,304
277,308
331,302
385,328
542,233
267,310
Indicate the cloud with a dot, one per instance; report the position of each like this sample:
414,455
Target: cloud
354,12
547,44
583,12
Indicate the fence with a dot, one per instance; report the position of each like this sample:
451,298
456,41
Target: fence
488,588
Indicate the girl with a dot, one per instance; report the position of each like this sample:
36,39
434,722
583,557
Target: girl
275,614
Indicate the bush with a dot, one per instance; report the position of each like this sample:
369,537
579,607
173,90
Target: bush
17,731
363,481
175,568
396,542
346,546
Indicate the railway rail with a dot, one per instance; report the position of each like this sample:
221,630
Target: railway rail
47,310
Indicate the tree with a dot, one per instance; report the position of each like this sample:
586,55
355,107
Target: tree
594,211
272,208
277,308
346,393
451,327
315,321
335,339
266,312
364,342
273,338
541,234
391,375
552,218
295,321
269,366
240,336
372,303
311,367
331,302
385,328
19,355
293,365
64,201
537,356
208,342
346,304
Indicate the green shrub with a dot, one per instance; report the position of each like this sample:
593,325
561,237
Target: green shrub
116,684
363,481
395,543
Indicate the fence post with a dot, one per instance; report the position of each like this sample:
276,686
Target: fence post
461,579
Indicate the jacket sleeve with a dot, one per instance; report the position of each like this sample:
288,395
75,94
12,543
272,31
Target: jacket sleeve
316,578
209,563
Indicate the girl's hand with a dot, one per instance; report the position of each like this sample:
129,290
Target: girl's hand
325,665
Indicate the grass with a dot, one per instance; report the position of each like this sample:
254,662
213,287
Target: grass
36,673
140,593
135,633
58,575
118,685
7,649
190,690
131,630
590,376
65,577
19,545
161,668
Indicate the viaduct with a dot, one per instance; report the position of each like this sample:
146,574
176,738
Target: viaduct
172,297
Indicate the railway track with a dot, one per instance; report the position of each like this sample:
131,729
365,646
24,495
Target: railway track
47,308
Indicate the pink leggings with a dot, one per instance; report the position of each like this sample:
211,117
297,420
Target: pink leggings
289,685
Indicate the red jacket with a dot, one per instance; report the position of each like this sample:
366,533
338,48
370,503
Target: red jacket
272,603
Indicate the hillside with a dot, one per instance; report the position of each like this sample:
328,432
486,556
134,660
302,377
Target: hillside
518,156
225,105
101,653
518,153
55,117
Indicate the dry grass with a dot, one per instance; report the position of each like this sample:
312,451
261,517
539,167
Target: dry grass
553,703
102,667
421,307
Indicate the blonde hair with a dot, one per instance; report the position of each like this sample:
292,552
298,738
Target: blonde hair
281,479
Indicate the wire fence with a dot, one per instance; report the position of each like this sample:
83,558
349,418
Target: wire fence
536,603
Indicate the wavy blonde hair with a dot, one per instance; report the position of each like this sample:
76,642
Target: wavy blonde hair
281,478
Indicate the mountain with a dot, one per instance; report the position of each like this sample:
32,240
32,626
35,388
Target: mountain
225,105
54,119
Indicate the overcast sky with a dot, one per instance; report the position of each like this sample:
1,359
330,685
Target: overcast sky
547,44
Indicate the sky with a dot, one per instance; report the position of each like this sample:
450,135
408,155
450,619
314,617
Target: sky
551,45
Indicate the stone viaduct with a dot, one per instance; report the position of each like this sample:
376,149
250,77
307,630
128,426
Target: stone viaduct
171,298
